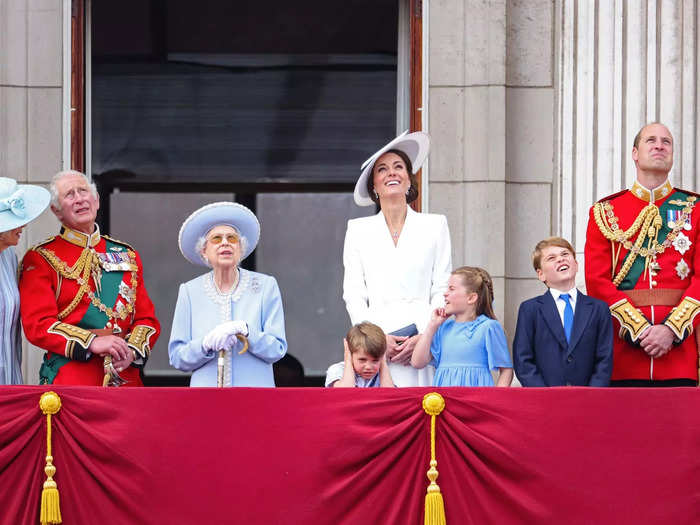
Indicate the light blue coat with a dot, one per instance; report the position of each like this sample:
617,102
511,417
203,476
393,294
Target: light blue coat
10,342
200,307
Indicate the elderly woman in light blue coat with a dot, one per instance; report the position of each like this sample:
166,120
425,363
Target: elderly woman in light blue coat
19,205
214,308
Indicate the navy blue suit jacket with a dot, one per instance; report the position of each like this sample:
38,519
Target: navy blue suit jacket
541,355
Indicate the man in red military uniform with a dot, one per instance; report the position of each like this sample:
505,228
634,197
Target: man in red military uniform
641,255
82,296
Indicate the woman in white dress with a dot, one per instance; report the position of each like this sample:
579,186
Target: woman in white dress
398,261
19,205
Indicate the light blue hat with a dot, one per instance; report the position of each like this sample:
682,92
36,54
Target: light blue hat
217,213
20,203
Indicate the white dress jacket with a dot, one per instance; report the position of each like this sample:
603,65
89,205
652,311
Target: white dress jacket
394,286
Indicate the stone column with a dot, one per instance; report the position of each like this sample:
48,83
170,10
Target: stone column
620,64
491,116
31,80
467,104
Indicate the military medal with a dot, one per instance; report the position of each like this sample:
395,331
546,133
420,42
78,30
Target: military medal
672,218
126,292
674,215
682,269
681,243
115,262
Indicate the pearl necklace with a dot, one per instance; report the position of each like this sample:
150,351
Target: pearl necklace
233,288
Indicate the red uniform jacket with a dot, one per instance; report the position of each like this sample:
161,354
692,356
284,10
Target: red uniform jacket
60,303
658,286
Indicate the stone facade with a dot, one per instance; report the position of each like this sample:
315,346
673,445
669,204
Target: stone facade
491,115
533,107
31,110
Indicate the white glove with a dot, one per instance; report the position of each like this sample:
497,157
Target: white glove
223,336
236,327
216,339
232,343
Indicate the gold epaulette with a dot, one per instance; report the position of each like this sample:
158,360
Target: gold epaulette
20,266
631,319
680,320
45,241
692,193
117,241
614,195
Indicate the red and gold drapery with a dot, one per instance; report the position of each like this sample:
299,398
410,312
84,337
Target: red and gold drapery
282,456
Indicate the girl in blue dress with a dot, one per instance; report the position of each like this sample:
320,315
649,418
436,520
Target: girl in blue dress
463,340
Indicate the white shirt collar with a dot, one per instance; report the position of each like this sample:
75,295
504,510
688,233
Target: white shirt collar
572,294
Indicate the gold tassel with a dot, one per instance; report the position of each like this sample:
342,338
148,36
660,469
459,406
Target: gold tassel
105,366
50,513
433,404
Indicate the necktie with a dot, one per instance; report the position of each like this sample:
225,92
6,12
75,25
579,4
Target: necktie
568,315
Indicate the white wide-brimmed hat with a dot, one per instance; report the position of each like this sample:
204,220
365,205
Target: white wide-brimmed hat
416,145
218,213
20,203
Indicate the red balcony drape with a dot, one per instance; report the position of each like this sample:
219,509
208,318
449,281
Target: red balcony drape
282,456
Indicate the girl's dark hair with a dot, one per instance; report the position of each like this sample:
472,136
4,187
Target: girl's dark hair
412,191
479,281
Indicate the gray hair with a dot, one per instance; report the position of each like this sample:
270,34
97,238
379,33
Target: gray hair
59,176
202,243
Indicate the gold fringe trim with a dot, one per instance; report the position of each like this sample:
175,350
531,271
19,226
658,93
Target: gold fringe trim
433,404
50,513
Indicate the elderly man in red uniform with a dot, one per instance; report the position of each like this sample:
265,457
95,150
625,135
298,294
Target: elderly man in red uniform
82,296
641,255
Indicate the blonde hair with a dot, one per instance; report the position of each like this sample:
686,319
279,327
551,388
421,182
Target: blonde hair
368,337
478,281
559,242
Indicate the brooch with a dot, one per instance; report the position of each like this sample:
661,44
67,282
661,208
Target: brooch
255,285
681,243
682,269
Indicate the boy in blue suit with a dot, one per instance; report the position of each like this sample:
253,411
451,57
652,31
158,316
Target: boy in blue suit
563,337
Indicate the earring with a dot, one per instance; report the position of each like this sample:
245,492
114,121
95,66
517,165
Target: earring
376,195
409,189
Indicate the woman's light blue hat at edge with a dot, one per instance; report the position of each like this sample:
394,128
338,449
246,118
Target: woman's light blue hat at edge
217,213
20,203
415,145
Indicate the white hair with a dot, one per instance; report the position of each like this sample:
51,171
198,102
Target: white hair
59,176
202,243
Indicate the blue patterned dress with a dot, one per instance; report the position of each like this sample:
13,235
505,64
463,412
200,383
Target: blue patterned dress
10,341
465,353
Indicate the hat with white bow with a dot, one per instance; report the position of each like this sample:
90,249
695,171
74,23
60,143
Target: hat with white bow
20,203
415,145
